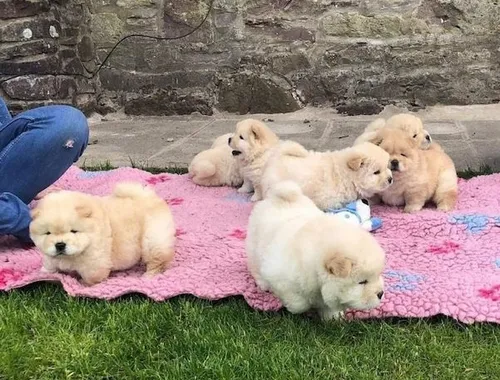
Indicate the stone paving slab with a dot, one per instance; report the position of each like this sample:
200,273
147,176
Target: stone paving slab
470,134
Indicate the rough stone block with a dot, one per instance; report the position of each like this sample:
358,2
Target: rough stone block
249,93
408,53
181,17
22,8
86,50
117,80
352,24
47,65
26,49
24,30
40,88
107,28
169,102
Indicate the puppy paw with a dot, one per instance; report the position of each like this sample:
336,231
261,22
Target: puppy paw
444,207
329,314
255,197
244,190
45,269
412,208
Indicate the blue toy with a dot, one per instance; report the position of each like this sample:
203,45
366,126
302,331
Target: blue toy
357,212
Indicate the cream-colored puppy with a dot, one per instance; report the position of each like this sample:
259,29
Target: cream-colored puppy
251,144
419,175
309,259
216,166
330,179
410,124
95,235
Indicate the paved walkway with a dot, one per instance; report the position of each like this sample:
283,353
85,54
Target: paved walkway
470,134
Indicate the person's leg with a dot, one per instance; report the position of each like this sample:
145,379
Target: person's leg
36,148
5,115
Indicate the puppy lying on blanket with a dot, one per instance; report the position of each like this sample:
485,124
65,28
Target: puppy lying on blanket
95,235
309,259
216,166
330,179
419,175
406,122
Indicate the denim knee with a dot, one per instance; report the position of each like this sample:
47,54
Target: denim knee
71,127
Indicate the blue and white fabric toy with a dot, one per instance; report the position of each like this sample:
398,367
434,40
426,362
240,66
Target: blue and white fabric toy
357,212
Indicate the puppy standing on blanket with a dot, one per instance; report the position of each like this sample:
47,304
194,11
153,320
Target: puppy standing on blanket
419,175
95,235
330,179
216,166
406,122
251,144
309,259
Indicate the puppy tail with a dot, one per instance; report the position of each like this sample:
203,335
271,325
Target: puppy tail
291,148
202,169
132,190
375,125
287,191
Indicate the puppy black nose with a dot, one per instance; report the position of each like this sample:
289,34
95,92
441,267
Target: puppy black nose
60,246
390,180
236,152
229,140
428,138
380,295
394,164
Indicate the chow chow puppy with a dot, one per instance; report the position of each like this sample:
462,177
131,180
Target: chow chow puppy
311,260
96,235
419,175
251,144
410,124
330,179
216,166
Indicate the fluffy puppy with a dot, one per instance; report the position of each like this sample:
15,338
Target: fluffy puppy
419,175
251,143
311,260
330,179
95,235
216,166
406,122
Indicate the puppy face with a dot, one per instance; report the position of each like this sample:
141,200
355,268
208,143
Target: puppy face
63,224
355,269
413,127
401,148
369,165
251,136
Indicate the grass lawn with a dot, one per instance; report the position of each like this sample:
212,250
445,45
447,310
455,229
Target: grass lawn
44,334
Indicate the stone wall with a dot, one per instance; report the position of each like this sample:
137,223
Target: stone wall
39,41
254,55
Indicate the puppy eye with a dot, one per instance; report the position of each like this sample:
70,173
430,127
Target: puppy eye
241,137
377,172
415,135
404,155
363,282
74,231
47,233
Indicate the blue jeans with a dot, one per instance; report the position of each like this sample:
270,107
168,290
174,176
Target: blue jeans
36,148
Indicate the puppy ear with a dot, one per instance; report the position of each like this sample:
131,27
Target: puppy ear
356,161
35,213
374,137
258,130
84,210
339,266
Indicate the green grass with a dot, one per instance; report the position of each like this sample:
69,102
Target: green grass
45,334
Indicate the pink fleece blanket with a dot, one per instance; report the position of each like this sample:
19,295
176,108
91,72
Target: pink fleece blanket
437,263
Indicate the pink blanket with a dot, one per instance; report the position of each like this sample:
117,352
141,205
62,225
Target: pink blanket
437,263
